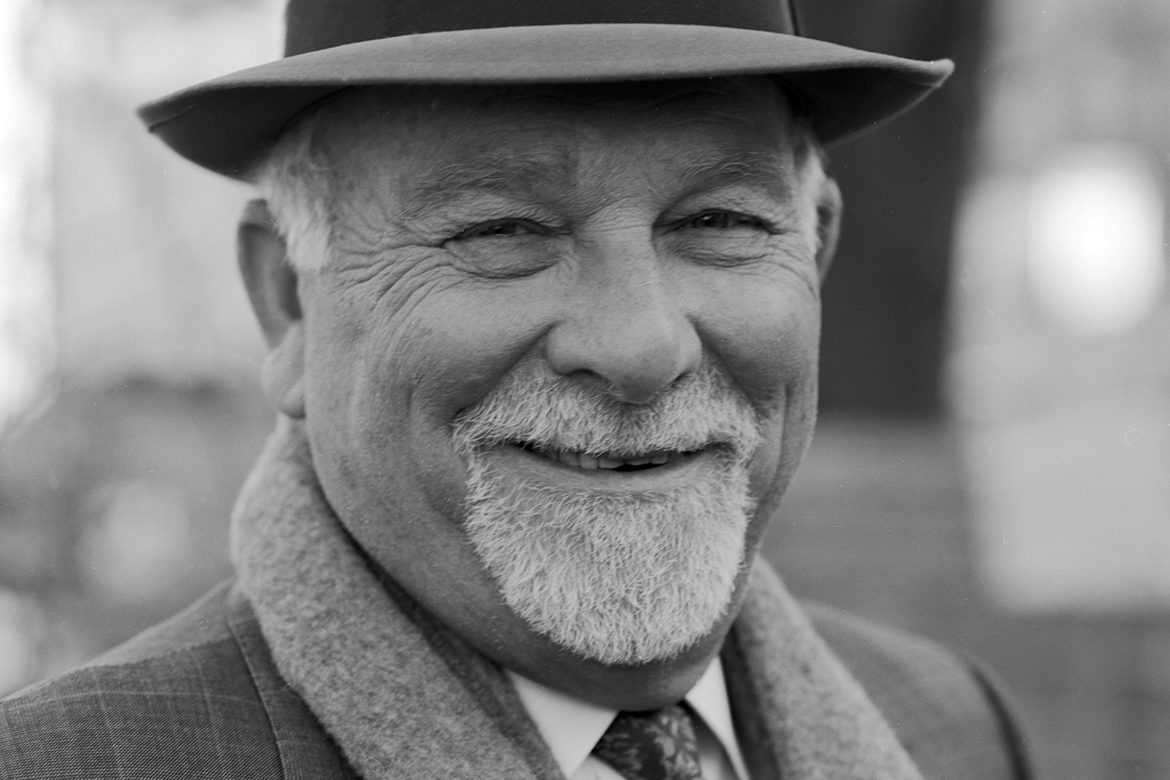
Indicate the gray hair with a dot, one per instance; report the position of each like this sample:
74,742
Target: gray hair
298,179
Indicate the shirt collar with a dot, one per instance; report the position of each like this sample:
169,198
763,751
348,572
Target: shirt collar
571,727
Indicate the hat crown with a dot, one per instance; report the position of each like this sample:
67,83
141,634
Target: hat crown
312,25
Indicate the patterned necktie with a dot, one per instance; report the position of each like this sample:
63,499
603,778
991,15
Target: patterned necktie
657,745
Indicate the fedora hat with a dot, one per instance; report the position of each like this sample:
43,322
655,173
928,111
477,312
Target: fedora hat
331,45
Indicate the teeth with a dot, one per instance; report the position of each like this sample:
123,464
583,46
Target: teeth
583,460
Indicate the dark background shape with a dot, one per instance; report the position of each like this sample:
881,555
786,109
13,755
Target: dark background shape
885,321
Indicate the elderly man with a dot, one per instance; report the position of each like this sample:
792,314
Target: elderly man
540,285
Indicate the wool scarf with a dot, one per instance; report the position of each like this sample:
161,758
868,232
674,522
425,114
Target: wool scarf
404,697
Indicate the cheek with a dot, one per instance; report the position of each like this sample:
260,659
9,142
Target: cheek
767,335
399,341
457,346
457,349
396,374
346,422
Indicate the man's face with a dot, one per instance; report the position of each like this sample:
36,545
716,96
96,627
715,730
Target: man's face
588,318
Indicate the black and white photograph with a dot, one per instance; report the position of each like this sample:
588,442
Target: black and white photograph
584,390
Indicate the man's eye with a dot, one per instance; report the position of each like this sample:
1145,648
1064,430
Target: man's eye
500,228
723,220
505,248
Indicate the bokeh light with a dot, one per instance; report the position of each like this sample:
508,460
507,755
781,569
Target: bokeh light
26,338
1096,245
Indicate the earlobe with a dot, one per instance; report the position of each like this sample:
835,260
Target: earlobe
829,208
283,374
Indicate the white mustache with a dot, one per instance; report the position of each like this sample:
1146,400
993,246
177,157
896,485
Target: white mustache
537,408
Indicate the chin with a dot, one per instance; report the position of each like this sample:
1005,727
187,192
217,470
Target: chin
621,578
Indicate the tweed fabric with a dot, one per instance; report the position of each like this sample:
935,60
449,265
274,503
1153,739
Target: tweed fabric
913,678
658,745
192,698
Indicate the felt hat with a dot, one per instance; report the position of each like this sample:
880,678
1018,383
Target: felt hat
333,45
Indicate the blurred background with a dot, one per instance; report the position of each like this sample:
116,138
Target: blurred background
992,466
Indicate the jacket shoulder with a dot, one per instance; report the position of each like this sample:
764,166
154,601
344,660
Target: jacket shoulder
194,697
950,714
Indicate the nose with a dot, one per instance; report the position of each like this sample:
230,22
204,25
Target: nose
625,328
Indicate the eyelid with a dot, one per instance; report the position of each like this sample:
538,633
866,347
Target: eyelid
528,224
768,225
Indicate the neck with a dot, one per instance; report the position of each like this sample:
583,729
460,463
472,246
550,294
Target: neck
636,689
630,688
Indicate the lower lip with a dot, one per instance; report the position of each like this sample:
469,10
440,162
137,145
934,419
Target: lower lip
528,465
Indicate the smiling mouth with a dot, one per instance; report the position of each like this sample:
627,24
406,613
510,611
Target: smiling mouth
583,460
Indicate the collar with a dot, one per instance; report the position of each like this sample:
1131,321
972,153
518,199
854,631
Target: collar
571,726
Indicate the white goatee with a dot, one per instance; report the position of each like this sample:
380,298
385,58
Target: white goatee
617,577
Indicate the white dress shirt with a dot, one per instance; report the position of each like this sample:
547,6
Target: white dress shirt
571,728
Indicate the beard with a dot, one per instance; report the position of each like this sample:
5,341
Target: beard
620,577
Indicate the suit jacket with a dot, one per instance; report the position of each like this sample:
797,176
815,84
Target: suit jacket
198,697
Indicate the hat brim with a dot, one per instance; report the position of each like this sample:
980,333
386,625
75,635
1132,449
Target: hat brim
223,124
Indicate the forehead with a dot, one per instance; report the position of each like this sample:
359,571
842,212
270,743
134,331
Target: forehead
745,122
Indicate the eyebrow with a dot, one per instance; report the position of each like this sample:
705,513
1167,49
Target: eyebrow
527,174
760,168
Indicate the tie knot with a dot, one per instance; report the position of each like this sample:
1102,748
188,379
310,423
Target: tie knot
658,745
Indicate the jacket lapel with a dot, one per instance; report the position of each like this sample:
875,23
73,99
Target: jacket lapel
800,714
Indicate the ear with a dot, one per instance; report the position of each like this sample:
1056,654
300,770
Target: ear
829,208
271,282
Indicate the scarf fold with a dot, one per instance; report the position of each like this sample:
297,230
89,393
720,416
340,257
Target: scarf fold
404,697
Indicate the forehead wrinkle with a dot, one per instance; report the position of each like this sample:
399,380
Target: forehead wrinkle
494,162
761,168
521,174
